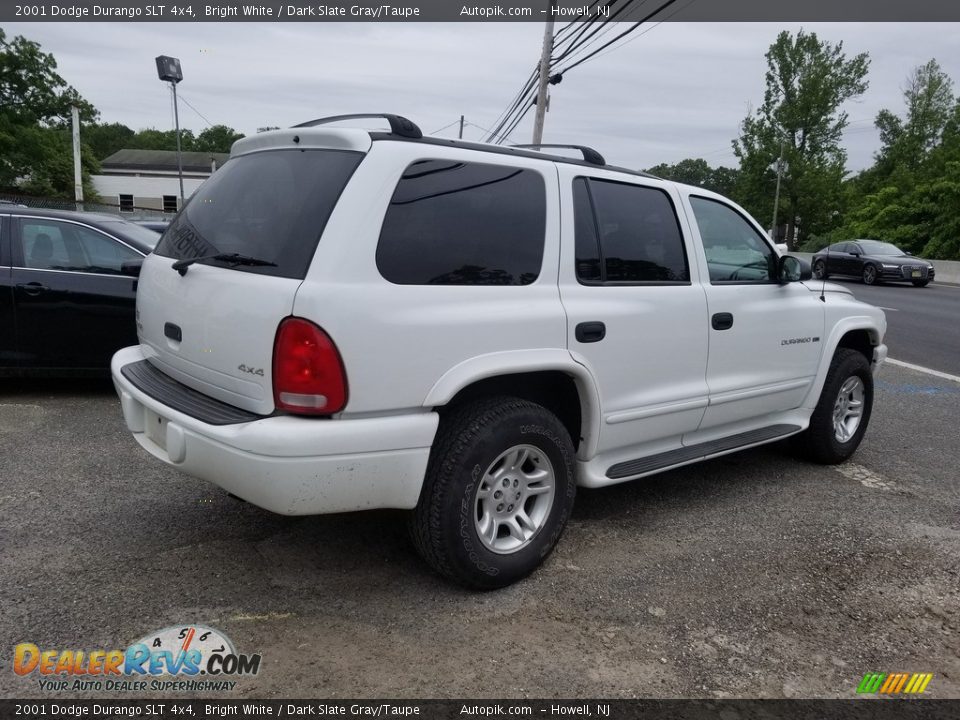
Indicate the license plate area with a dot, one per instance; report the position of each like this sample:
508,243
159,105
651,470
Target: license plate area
915,273
156,429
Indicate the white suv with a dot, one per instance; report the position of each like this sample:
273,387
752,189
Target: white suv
343,319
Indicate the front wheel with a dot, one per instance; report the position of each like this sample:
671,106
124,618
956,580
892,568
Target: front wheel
820,270
869,275
843,411
498,491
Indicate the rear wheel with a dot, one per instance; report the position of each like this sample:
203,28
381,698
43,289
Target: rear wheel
870,274
843,411
820,270
921,283
498,491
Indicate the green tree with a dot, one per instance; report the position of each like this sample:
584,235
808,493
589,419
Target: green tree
807,81
699,173
218,138
104,140
928,98
35,112
917,207
153,139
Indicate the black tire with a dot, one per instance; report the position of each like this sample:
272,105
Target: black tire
820,270
920,283
819,441
470,438
870,274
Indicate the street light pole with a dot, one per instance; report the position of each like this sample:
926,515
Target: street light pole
176,120
168,70
776,197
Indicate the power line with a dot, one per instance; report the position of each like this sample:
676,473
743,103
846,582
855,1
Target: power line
445,127
652,27
618,37
516,106
187,103
584,38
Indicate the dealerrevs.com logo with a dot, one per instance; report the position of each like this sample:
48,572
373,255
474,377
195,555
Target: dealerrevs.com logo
187,658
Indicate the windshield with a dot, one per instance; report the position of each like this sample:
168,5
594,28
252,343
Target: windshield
131,231
270,205
875,247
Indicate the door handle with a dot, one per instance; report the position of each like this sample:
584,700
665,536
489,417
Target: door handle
589,332
722,321
33,288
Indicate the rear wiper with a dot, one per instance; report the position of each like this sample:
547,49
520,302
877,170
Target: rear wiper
232,259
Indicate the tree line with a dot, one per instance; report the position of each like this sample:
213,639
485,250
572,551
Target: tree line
910,196
36,146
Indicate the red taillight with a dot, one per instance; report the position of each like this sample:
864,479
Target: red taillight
308,374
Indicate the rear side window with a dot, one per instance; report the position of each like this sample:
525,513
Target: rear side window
626,234
456,223
271,206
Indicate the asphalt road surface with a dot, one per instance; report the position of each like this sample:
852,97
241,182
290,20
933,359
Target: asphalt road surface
923,324
755,575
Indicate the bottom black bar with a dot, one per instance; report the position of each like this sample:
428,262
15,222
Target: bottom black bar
868,708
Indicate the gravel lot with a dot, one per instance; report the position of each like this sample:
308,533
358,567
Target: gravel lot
756,575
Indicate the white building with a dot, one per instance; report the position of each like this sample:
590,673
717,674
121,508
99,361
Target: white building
139,180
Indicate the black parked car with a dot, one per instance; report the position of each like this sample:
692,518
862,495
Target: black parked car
872,261
157,226
67,288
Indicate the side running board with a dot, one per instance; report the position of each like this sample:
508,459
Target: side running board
696,452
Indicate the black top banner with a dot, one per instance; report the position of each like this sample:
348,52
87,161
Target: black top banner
481,11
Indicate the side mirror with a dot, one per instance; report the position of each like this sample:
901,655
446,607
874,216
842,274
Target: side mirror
793,269
131,268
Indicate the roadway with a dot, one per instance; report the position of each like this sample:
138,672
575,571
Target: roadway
923,324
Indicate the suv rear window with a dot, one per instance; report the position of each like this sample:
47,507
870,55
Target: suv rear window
456,223
271,205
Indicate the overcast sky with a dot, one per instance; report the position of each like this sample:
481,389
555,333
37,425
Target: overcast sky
680,90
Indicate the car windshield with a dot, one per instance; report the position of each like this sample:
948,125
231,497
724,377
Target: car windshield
130,231
875,247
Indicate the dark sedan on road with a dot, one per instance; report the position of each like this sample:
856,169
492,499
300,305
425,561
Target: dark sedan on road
67,289
872,261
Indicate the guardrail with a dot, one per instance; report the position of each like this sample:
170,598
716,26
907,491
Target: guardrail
947,271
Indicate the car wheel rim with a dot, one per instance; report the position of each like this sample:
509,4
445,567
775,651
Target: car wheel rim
848,409
818,269
514,499
869,275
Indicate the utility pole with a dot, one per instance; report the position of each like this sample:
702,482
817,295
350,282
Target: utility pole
77,174
544,78
461,128
776,197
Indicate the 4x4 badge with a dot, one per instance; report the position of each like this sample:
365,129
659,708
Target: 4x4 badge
252,371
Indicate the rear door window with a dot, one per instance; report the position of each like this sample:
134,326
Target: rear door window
626,234
271,206
457,223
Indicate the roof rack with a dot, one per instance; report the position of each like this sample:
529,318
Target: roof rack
398,125
589,154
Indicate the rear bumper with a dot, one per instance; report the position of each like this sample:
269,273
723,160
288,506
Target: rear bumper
286,464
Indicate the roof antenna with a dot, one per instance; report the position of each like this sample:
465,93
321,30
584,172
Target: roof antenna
823,286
